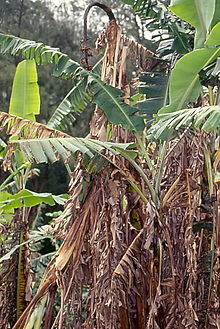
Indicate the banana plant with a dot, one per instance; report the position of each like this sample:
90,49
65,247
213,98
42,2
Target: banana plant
110,100
184,82
15,208
88,85
200,14
185,85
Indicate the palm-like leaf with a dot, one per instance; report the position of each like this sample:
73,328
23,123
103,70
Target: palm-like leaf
47,150
184,85
206,118
42,54
52,149
108,98
75,101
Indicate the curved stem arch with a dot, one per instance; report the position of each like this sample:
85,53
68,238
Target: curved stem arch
85,49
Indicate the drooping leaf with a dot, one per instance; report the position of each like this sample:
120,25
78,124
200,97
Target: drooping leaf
27,198
12,250
35,238
157,19
25,97
75,101
17,127
199,13
47,150
206,118
111,101
184,79
148,8
63,64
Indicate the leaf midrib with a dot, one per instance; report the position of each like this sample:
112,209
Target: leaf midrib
189,89
114,100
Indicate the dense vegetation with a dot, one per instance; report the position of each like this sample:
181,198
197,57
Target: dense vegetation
137,243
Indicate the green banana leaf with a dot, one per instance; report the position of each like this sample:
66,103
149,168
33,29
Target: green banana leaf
47,150
214,36
111,101
74,102
184,79
27,198
25,97
217,13
206,118
199,13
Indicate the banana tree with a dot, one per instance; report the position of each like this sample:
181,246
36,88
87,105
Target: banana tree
16,274
125,116
137,232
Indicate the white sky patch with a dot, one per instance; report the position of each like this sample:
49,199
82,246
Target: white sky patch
104,19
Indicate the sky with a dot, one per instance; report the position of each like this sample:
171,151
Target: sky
104,18
57,2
